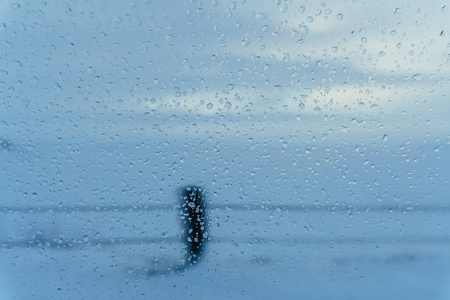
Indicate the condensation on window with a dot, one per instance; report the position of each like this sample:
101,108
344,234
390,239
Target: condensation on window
224,149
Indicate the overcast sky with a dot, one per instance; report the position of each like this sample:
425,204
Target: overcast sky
258,67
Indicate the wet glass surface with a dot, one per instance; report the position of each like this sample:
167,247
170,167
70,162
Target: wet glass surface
317,132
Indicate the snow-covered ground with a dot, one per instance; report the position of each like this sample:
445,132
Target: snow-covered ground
80,239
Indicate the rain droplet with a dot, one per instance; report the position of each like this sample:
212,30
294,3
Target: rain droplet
340,16
209,106
304,29
245,42
261,16
230,87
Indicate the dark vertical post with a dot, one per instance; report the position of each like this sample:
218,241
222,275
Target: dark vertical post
193,222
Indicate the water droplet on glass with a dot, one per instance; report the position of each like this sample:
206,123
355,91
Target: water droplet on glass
245,42
261,16
304,29
284,8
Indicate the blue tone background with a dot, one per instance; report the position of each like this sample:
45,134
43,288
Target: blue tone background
320,131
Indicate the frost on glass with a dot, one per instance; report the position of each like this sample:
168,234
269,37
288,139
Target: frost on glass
319,130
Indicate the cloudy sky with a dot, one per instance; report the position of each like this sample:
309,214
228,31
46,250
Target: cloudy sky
230,87
255,67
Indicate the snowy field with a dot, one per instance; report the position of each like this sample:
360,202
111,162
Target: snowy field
320,132
289,243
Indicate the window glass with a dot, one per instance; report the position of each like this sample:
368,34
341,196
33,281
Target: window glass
224,149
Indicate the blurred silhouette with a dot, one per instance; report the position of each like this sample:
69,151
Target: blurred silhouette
193,223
